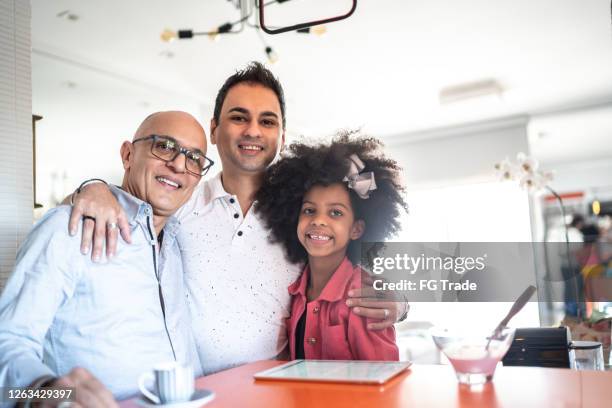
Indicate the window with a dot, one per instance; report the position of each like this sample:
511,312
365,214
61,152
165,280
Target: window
483,212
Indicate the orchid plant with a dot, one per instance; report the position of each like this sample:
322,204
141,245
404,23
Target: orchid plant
526,170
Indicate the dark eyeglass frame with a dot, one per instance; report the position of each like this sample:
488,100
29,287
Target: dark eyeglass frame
179,150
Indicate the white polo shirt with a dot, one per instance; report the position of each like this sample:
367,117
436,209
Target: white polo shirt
236,280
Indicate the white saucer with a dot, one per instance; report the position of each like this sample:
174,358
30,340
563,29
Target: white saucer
199,398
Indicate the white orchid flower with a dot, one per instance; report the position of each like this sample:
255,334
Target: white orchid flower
547,177
525,170
505,170
528,181
527,163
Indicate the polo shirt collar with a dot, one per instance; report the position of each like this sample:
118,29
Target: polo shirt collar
216,189
335,288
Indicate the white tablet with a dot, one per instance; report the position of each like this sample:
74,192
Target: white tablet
364,372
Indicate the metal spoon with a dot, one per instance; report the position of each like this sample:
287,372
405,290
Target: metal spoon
516,307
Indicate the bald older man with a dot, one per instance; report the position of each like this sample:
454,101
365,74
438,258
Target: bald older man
113,319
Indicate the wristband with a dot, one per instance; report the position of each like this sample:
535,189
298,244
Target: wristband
404,316
39,383
406,310
87,182
83,185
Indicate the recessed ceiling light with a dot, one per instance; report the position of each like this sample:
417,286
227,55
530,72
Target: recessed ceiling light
68,15
69,84
469,90
542,134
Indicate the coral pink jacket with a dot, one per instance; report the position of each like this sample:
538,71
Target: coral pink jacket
333,332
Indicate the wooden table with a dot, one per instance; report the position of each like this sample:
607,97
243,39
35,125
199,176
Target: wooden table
420,386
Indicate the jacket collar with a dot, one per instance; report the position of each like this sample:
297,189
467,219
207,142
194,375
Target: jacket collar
335,288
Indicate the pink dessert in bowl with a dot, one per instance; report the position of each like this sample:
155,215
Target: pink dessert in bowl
474,362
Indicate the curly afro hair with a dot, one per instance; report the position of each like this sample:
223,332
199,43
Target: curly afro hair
302,166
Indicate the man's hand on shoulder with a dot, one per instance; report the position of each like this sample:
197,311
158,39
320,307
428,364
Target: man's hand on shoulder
365,302
102,217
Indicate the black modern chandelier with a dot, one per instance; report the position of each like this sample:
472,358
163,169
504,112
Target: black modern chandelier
253,15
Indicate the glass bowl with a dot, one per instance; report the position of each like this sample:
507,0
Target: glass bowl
467,351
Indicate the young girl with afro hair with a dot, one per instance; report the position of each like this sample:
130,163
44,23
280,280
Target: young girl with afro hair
321,201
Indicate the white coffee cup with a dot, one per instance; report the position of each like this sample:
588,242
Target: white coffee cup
173,382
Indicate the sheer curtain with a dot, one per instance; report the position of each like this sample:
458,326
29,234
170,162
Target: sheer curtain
16,197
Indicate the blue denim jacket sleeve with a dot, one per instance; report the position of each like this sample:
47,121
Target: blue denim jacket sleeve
45,275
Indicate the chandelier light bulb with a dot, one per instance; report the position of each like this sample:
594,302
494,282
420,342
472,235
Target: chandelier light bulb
168,35
213,36
272,56
318,30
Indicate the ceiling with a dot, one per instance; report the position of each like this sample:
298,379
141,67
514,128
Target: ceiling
570,137
381,69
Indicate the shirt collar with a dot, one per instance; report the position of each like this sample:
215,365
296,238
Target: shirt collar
137,210
215,188
335,288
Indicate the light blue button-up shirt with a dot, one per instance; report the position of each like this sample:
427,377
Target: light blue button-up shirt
60,310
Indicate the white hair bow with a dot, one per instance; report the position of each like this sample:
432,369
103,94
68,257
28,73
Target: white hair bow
361,183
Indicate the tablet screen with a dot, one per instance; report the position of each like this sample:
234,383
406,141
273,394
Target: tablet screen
375,372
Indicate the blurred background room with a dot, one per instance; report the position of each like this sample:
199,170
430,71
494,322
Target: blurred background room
451,87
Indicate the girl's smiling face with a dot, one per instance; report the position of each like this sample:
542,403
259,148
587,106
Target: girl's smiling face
327,223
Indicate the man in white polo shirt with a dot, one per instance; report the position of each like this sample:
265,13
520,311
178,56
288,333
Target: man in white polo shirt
236,279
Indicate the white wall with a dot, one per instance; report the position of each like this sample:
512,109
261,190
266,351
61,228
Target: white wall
458,155
453,195
16,201
576,144
87,114
585,175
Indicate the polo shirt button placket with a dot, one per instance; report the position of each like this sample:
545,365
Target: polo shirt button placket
232,200
315,309
312,341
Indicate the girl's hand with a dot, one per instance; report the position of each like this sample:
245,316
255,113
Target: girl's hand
365,303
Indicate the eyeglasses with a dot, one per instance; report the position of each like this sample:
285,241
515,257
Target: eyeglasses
167,149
